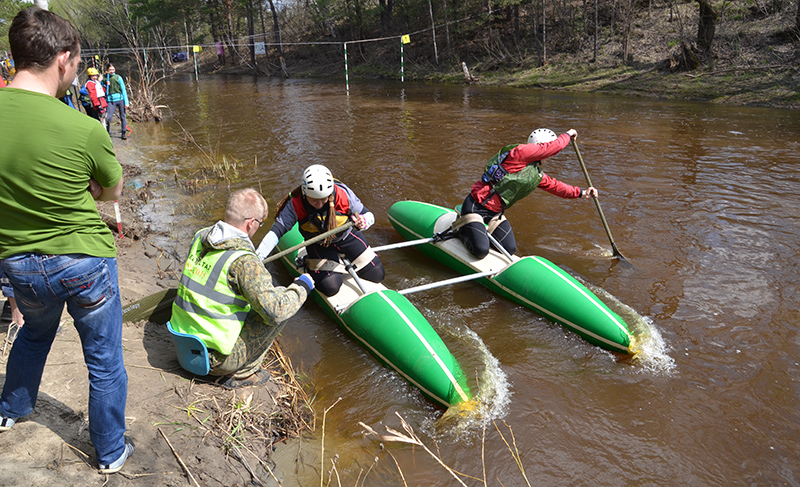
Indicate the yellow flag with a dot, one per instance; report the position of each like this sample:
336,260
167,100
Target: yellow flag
406,39
197,48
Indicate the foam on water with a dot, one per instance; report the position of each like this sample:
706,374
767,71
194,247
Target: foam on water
648,344
493,397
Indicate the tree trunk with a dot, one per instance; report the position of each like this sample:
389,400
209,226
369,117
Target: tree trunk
626,37
544,35
446,25
433,26
229,34
251,32
706,26
384,16
594,47
215,35
515,13
797,17
535,17
276,29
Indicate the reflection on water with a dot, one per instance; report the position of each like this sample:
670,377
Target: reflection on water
701,199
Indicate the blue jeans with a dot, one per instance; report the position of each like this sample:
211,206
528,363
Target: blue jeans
89,287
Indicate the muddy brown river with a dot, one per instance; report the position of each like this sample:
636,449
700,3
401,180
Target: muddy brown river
703,200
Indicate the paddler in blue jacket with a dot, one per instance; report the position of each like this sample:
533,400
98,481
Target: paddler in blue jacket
510,175
318,205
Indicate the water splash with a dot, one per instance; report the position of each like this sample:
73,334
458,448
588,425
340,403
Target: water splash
493,397
649,347
651,350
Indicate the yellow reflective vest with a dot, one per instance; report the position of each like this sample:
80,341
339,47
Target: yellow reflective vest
206,306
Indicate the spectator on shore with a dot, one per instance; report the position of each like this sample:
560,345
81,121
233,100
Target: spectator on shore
94,96
117,97
55,248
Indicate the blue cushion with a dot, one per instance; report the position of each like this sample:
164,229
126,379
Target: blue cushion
192,352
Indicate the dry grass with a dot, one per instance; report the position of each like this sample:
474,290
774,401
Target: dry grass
409,437
214,165
247,429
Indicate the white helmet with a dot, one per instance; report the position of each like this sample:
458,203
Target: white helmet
542,136
317,182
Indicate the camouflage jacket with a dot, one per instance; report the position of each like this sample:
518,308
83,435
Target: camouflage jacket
248,276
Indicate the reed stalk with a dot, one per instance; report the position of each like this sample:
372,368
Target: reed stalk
322,454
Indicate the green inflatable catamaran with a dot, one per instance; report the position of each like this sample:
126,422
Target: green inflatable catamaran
533,282
389,326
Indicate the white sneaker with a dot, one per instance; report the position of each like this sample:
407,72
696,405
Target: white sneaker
6,423
117,466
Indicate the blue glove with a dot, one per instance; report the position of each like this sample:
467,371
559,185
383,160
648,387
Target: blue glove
305,281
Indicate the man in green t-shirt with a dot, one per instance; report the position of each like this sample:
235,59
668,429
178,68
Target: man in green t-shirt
55,248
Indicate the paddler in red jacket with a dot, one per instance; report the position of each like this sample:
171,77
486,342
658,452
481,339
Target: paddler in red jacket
318,205
510,175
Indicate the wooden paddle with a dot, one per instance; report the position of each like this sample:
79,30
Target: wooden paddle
617,253
310,241
158,306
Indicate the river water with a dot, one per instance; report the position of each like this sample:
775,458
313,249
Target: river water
702,200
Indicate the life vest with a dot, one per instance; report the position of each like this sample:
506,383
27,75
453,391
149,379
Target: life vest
206,306
511,187
112,84
98,91
312,221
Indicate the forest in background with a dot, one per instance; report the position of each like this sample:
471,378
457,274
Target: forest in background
585,45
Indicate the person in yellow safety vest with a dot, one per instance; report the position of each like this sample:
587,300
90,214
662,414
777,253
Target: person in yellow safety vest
226,296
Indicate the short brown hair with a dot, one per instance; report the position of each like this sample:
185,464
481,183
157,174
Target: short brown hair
244,204
37,36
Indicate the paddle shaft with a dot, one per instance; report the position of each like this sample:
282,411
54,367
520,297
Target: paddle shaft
161,301
310,241
617,253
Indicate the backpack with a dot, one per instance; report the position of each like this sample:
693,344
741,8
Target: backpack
84,97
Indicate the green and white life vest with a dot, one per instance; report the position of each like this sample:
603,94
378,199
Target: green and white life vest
514,186
206,306
112,83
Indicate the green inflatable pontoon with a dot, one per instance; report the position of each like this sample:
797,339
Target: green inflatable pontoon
389,326
534,282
